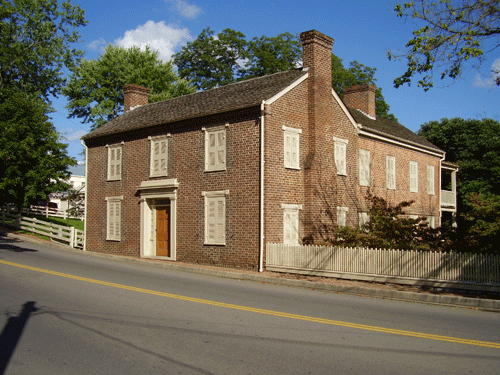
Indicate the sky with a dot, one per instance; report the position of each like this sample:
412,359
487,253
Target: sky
362,30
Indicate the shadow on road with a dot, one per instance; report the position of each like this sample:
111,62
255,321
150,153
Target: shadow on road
12,332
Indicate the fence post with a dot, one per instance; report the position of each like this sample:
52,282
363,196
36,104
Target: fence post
72,237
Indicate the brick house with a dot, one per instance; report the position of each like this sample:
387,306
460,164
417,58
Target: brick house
212,176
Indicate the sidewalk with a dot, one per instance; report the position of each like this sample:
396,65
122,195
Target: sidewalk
490,302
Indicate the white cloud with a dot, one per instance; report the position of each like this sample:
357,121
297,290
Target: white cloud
160,37
185,9
98,45
76,135
488,81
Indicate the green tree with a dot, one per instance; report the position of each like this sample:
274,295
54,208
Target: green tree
267,55
210,61
359,74
475,146
33,162
454,34
37,40
95,87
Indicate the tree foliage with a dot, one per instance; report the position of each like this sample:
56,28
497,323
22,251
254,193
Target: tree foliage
37,40
454,33
475,146
359,74
95,88
33,162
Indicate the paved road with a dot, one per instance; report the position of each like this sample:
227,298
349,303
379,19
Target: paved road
67,312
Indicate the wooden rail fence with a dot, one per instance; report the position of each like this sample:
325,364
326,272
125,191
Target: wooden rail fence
432,268
60,233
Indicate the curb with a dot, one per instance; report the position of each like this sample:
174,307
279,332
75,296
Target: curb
427,298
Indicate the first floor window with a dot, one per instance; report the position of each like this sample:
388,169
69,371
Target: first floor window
114,225
342,216
215,217
364,218
291,223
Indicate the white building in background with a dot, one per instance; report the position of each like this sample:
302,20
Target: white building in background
77,180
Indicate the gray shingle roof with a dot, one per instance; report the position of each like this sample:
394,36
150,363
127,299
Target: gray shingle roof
391,129
231,97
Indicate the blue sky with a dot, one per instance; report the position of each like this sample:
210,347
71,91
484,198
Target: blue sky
362,30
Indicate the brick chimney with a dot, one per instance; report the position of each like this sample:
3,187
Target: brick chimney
135,96
361,97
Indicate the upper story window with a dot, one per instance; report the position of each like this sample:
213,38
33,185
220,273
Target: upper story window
215,149
115,162
413,177
430,180
291,147
364,167
390,172
159,156
341,155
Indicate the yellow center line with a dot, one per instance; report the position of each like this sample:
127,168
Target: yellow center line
263,311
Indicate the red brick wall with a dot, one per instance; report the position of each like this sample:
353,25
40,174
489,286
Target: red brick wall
186,163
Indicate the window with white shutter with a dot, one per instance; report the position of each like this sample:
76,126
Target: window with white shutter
390,169
113,218
430,180
291,223
291,147
159,156
364,218
364,167
342,216
215,149
215,217
115,162
413,176
341,155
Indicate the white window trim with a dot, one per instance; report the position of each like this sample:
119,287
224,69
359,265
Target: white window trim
114,176
390,172
153,141
293,133
342,216
217,196
430,180
217,166
113,232
341,155
291,215
413,177
364,170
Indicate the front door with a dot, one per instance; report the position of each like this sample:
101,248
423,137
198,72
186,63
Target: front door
163,231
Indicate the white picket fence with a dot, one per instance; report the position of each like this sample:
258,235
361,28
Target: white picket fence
49,212
60,233
473,271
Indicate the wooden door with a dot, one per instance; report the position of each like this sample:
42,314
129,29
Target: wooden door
163,231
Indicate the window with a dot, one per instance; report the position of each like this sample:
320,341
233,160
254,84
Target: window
215,149
364,167
364,218
390,170
430,179
342,216
291,223
291,147
413,176
115,162
340,155
159,156
215,217
113,226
